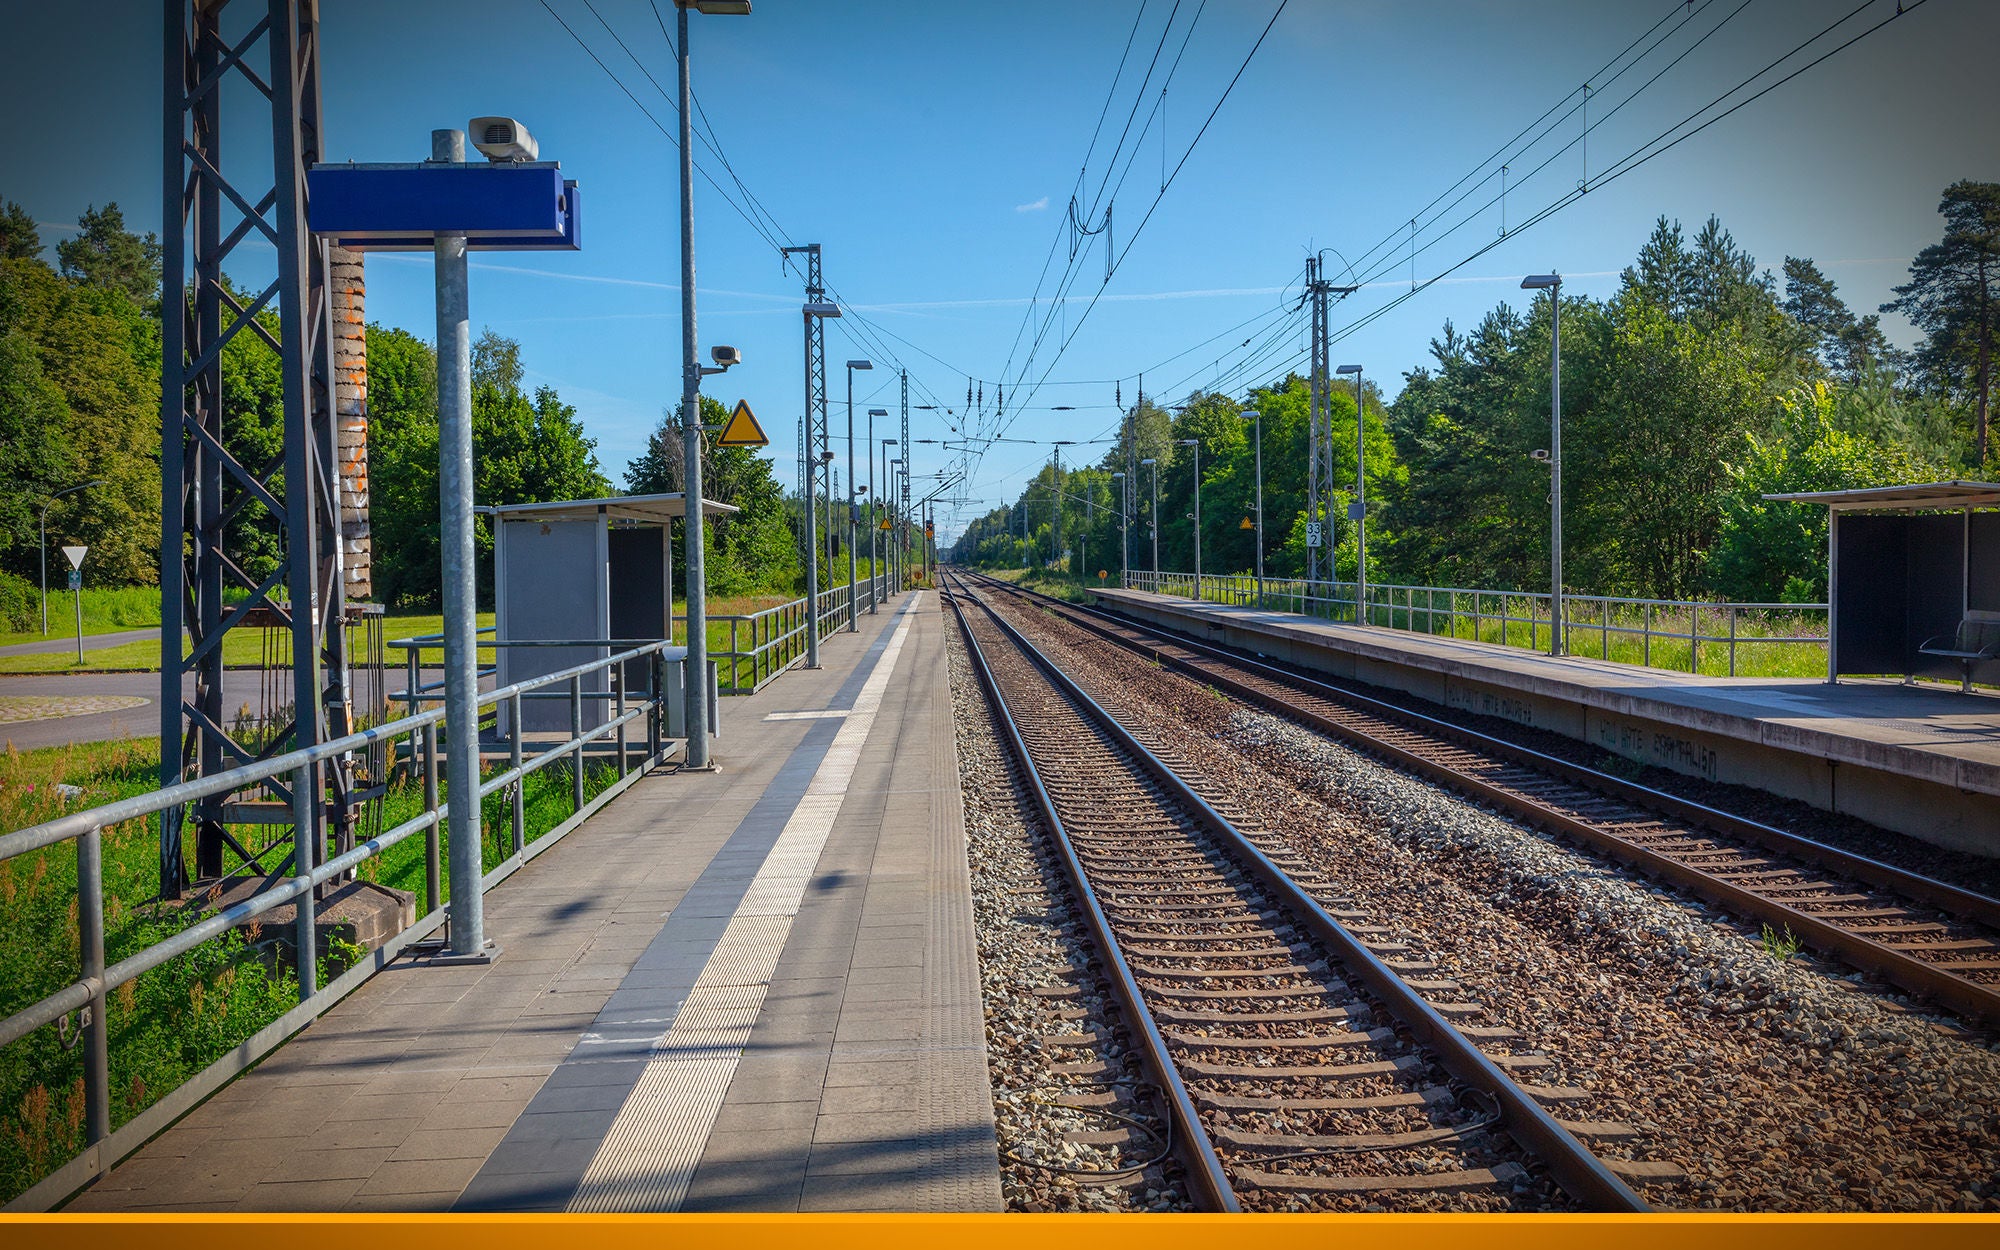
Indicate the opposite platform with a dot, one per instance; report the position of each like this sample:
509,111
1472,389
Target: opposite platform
752,989
1920,760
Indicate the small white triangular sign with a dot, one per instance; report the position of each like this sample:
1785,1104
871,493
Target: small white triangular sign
742,429
75,555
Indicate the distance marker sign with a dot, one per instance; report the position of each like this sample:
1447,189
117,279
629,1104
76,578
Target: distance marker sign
742,430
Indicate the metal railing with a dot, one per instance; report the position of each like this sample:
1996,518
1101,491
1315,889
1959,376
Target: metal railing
1520,618
292,776
776,636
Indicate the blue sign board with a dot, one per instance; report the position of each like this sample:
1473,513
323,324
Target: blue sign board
498,207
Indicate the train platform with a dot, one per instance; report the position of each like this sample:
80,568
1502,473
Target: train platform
1920,760
753,989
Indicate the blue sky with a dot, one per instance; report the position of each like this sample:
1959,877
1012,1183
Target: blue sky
933,148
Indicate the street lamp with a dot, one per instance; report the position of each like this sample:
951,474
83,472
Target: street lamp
817,308
875,511
46,505
1154,518
1124,537
894,475
1257,423
1358,511
875,505
1552,283
696,664
1196,444
853,617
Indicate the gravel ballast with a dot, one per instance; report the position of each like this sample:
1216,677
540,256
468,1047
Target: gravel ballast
1776,1085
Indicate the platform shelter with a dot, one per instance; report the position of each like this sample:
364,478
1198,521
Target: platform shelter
1913,574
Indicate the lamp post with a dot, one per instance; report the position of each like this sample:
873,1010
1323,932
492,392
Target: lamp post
1359,510
874,513
818,308
1154,518
696,665
1257,425
890,476
1124,538
853,618
1196,444
1552,283
46,505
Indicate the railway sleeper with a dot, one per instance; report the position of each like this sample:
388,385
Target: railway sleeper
1501,1176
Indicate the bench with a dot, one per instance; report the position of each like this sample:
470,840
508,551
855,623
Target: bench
1977,640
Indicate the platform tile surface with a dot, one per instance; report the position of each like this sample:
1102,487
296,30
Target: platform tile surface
857,1080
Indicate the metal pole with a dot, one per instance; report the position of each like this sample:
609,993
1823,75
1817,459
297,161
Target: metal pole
77,595
696,610
1259,424
874,512
853,622
1556,471
1197,522
812,535
461,668
45,570
1156,526
1361,508
90,938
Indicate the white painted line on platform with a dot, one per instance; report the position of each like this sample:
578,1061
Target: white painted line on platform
830,713
649,1156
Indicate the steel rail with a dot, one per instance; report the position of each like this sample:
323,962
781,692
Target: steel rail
1940,984
1190,1140
1581,1174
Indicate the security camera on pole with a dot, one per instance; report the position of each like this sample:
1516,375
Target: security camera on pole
448,207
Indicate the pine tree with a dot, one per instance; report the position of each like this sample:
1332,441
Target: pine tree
1953,296
19,237
105,254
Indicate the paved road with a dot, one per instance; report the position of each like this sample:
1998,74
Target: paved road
91,642
239,687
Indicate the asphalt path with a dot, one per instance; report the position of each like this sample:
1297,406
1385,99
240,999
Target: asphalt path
239,687
91,642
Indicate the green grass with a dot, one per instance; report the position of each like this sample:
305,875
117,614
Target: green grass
242,648
176,1020
106,610
1765,640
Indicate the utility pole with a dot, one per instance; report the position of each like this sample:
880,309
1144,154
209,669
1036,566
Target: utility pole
900,536
812,431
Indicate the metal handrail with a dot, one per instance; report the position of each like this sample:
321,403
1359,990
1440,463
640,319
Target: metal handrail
1514,608
772,653
92,989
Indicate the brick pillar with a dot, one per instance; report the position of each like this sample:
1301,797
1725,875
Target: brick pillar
350,366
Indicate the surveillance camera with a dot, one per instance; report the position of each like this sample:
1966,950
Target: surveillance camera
502,139
1541,454
725,356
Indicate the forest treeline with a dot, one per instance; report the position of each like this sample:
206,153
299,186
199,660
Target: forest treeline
80,401
1701,385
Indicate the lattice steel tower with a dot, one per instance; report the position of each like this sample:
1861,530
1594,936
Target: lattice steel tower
212,499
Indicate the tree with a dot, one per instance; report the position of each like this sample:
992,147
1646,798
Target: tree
19,237
752,549
525,450
496,362
1848,346
1951,296
105,254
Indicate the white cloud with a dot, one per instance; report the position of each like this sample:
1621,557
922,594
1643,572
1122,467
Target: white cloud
1035,207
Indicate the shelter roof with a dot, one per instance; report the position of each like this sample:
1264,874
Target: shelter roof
1920,497
638,509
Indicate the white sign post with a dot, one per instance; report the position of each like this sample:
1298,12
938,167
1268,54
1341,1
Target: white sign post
76,555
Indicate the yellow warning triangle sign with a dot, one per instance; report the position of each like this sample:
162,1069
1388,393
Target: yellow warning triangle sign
742,429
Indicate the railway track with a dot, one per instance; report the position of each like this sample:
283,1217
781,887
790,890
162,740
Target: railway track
1929,938
1295,1060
